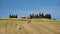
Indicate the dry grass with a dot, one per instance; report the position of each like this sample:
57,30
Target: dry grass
36,26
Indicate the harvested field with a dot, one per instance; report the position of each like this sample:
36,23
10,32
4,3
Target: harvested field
35,26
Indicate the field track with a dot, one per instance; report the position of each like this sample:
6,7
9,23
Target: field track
29,26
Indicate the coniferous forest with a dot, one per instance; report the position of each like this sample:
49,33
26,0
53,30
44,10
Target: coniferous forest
40,15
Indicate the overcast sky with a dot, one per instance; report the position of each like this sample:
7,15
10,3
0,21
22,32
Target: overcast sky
26,7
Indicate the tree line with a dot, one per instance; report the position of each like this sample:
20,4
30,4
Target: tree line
13,16
40,15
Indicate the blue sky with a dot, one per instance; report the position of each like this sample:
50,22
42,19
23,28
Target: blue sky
26,7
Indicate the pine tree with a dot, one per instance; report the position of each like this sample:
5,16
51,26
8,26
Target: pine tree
39,15
10,16
49,16
16,16
46,16
42,15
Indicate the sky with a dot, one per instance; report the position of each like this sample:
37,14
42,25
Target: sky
25,7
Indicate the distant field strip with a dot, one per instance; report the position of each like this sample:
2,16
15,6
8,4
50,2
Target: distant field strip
29,26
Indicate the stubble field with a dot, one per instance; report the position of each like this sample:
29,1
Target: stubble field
29,26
